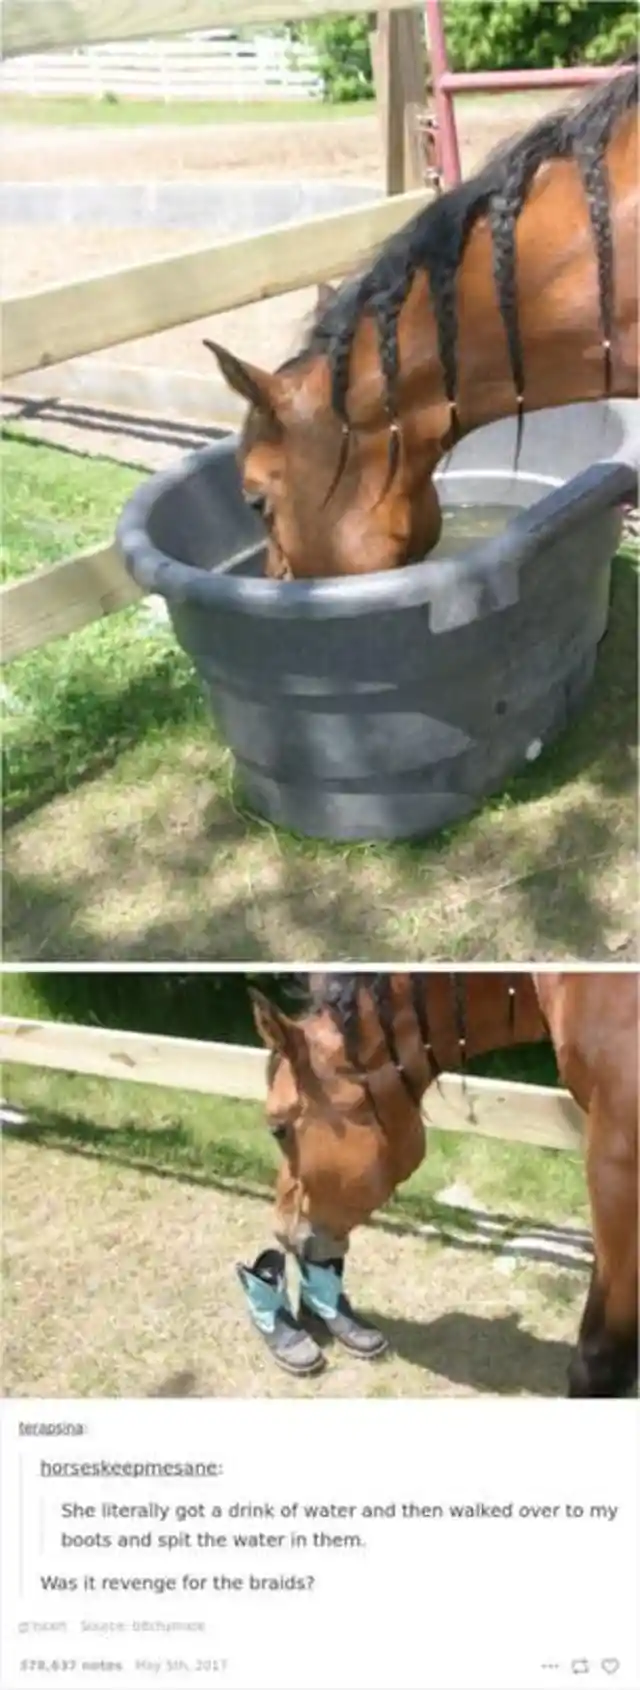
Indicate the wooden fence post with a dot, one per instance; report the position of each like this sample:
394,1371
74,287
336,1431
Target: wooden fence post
400,77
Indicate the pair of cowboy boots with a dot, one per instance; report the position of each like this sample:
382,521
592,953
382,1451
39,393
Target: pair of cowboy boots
322,1303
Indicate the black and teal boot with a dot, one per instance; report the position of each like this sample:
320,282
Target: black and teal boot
322,1296
265,1288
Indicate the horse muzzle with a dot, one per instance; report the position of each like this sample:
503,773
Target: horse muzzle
307,1242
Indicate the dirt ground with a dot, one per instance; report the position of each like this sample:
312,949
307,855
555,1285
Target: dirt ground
119,1282
339,147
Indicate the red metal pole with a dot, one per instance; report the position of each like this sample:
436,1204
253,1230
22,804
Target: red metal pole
445,118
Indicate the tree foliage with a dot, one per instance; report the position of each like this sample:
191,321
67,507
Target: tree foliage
342,46
482,35
535,34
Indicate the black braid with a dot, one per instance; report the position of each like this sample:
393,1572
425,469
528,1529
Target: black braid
593,171
504,209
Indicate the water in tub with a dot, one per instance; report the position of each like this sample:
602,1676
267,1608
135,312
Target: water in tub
464,526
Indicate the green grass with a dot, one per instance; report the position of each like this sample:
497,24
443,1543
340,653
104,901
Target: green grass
77,702
224,1142
55,502
118,113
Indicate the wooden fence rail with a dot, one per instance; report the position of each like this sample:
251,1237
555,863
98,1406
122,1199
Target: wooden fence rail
524,1114
35,26
57,323
63,598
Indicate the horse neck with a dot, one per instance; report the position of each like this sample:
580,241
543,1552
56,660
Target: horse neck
558,309
477,1009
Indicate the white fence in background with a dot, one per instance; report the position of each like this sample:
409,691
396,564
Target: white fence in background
187,68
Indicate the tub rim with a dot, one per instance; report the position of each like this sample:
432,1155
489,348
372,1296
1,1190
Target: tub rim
606,483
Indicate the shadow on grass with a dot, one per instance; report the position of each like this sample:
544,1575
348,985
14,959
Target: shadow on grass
168,1153
568,896
225,1165
492,1354
184,1384
44,919
89,730
556,879
88,418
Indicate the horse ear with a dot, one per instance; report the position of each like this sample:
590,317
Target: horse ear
324,296
257,386
275,1029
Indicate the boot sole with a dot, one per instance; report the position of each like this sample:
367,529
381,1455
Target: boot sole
295,1370
310,1372
362,1355
311,1318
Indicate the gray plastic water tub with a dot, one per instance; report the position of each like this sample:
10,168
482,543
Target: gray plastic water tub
387,706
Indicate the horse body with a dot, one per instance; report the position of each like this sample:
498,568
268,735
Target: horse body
346,1085
513,292
593,1022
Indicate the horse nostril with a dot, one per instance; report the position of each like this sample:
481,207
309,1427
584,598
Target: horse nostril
258,503
279,1132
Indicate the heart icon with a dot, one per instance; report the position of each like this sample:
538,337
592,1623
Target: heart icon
610,1665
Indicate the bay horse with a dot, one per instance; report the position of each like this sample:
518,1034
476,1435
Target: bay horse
514,291
346,1083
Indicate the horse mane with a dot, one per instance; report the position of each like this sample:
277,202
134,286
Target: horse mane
435,240
339,993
